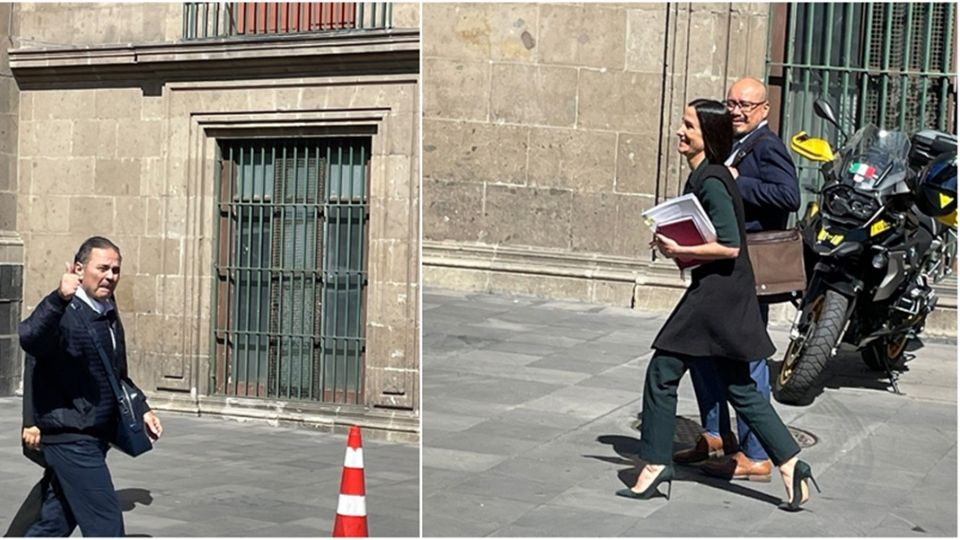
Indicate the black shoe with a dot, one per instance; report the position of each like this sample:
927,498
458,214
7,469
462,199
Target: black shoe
801,472
665,475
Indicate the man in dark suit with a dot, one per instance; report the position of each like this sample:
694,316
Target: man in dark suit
73,404
767,181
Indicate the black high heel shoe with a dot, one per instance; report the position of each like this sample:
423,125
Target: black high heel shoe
665,475
801,472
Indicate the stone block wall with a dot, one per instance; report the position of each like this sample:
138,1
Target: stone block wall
11,247
549,128
59,24
135,160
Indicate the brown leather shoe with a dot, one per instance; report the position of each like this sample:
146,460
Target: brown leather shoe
707,446
739,467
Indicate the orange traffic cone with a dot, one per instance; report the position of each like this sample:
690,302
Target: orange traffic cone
352,506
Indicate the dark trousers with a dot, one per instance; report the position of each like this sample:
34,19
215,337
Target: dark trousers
712,398
660,408
77,490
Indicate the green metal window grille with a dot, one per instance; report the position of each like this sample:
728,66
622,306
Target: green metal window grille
890,64
207,20
290,269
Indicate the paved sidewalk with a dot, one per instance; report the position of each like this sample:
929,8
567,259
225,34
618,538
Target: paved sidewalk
530,416
217,477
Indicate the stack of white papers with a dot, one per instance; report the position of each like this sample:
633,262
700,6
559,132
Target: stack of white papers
683,208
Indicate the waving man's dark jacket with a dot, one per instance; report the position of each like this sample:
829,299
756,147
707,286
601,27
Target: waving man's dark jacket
68,396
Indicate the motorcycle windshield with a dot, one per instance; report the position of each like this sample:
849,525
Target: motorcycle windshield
875,161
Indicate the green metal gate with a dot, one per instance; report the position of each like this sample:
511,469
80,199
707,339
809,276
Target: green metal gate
291,269
890,64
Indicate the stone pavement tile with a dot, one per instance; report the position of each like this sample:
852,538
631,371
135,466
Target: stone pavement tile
516,373
502,486
522,415
549,340
824,516
548,471
885,496
592,498
484,443
232,524
608,353
843,472
559,521
583,402
470,332
435,479
322,523
142,521
394,527
483,512
513,345
440,344
503,392
444,422
458,405
320,496
546,317
638,337
503,426
460,460
291,530
453,526
400,500
911,522
516,531
567,362
693,528
492,358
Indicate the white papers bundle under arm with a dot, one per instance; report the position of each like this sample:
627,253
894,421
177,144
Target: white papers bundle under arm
680,208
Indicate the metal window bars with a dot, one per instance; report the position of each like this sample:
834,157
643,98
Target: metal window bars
208,20
291,269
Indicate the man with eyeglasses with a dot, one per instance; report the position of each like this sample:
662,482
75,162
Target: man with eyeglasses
767,180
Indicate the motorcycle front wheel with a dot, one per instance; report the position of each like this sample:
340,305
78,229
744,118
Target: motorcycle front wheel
807,355
889,349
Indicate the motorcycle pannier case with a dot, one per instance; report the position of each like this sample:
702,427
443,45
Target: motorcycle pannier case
777,260
937,189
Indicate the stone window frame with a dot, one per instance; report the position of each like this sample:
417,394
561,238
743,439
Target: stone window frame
205,130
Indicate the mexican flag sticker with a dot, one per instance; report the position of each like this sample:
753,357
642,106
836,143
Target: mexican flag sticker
862,171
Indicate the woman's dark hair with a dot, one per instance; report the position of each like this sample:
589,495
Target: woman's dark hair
716,125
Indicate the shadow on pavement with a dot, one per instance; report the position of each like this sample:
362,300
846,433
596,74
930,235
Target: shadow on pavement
627,450
130,496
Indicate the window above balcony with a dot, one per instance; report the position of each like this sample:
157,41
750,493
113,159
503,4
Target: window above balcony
218,20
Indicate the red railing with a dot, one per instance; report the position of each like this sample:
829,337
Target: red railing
203,20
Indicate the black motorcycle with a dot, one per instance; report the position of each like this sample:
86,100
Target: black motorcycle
872,256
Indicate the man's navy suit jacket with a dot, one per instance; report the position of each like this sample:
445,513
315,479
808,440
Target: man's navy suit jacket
767,182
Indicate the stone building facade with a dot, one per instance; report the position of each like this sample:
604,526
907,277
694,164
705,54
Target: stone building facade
126,121
549,128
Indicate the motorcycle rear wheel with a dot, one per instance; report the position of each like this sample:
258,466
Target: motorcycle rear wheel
889,348
799,377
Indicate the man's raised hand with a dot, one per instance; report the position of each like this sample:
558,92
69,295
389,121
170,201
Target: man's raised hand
69,283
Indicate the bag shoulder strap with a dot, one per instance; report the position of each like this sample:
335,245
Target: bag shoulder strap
107,364
751,143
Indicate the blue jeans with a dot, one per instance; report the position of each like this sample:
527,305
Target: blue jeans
712,399
77,490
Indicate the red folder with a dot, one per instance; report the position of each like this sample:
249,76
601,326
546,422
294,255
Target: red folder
685,233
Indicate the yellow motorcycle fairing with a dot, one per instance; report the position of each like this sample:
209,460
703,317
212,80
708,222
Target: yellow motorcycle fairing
811,147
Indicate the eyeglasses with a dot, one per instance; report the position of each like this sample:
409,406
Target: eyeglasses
745,106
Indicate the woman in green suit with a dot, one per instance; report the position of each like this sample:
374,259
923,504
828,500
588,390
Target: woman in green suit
717,318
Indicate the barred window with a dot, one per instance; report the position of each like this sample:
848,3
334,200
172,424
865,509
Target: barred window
290,269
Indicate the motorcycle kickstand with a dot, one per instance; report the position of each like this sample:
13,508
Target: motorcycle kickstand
893,376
